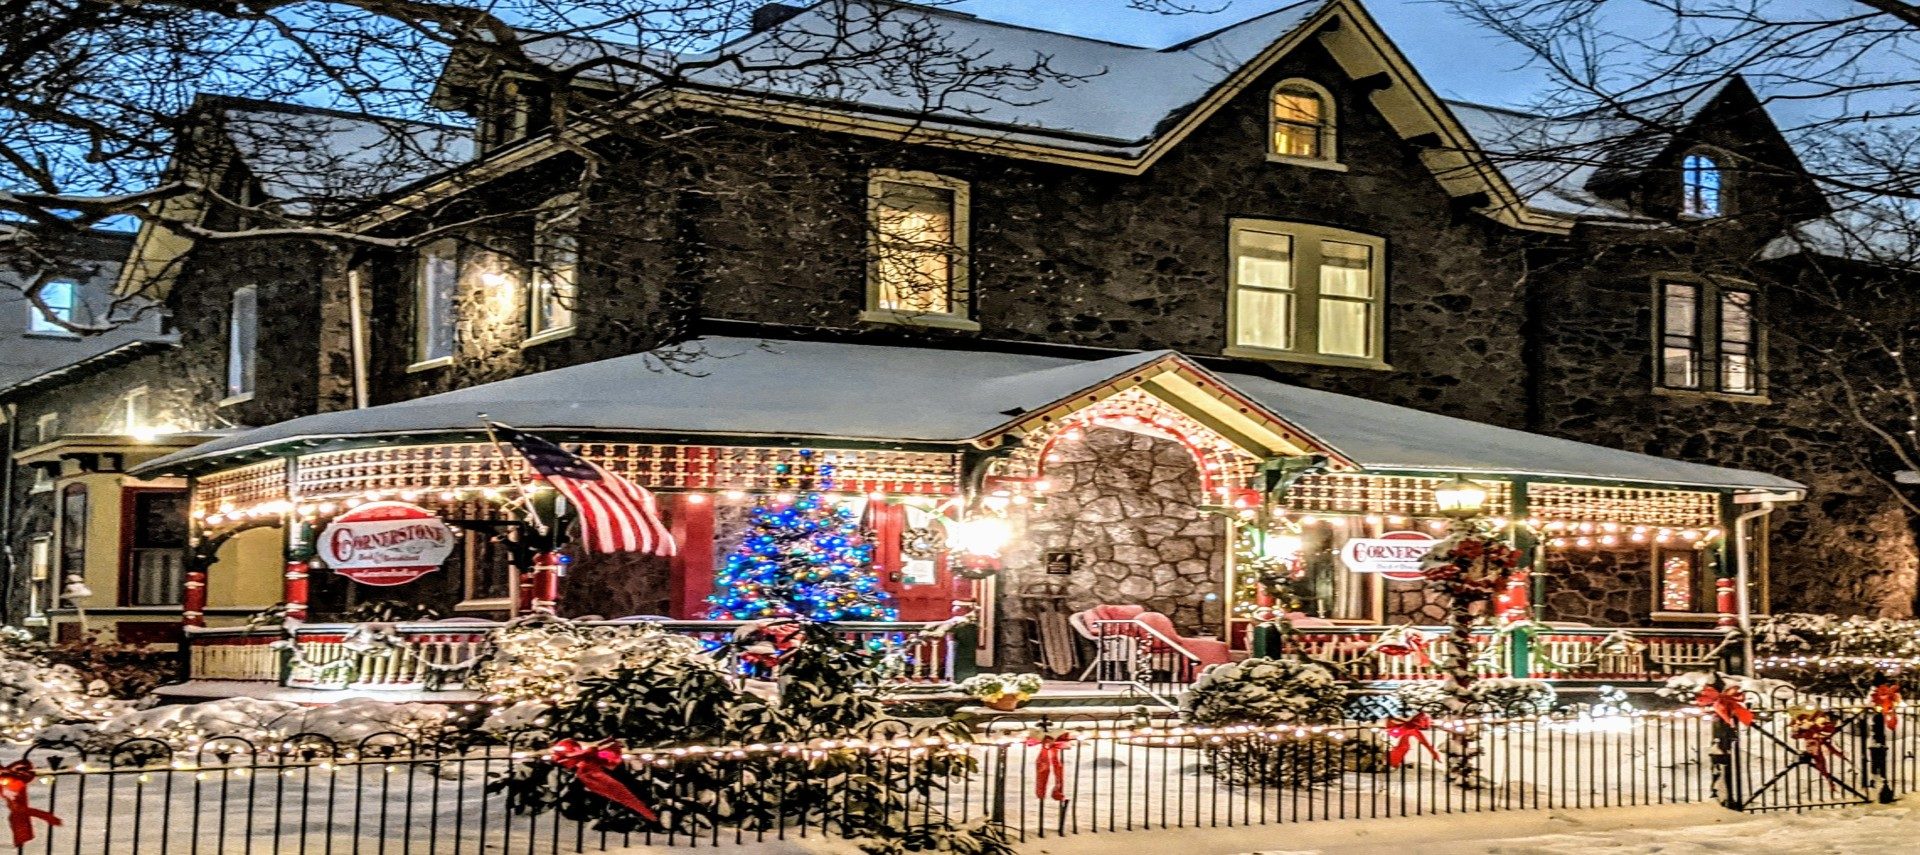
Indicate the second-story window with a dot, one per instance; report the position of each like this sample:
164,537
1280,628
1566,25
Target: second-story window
552,286
1700,185
243,342
918,226
60,297
1709,338
1302,122
436,282
1306,293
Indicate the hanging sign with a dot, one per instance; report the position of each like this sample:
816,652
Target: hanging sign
385,543
1395,555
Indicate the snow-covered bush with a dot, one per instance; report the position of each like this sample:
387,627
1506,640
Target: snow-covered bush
1502,697
991,687
1758,693
239,726
1264,691
546,659
1840,656
36,694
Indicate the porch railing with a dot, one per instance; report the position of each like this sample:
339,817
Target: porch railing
440,656
1560,654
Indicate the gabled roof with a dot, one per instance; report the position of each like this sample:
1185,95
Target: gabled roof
1115,107
725,387
315,162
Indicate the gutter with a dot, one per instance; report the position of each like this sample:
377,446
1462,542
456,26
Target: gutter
12,412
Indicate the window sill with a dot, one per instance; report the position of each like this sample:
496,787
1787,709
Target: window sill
923,319
1309,162
1686,617
1705,395
1269,355
543,338
430,364
497,605
231,400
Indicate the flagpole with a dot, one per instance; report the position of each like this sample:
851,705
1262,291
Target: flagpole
541,572
533,511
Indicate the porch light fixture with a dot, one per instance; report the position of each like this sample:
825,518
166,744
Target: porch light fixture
1460,498
982,535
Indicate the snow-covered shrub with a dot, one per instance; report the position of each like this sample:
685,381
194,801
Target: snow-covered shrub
239,726
1502,697
1840,656
36,694
546,659
989,687
1758,693
1264,691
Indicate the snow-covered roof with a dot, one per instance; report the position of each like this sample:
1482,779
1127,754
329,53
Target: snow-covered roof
748,387
320,161
1099,96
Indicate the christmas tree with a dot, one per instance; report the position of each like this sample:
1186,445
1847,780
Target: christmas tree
806,559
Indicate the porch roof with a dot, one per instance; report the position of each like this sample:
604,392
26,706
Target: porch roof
718,386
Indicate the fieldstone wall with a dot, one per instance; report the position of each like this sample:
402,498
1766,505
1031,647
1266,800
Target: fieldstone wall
1602,587
1127,506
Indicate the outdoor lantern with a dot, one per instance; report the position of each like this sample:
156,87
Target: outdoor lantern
979,536
1460,498
1280,547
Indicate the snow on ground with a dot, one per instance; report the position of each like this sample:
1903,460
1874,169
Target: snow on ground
1695,829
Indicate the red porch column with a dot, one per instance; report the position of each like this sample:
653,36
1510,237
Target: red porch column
541,589
691,575
293,584
193,601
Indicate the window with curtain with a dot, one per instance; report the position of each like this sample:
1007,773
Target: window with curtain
1306,293
243,342
918,227
155,564
436,283
1700,181
60,297
1302,121
73,535
1709,338
556,261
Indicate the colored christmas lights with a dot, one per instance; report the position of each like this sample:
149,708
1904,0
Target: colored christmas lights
802,557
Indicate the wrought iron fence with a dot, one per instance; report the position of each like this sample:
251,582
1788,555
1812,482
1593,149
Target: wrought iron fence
392,794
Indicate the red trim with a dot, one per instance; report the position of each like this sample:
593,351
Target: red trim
691,571
128,495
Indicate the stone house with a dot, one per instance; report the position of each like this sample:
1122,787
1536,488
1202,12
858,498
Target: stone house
1286,202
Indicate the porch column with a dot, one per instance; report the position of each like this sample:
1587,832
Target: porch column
691,574
541,592
299,565
540,579
1726,587
193,601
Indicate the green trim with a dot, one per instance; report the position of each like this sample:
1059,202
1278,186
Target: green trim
1569,480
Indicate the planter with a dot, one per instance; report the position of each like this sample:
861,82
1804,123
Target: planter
1006,703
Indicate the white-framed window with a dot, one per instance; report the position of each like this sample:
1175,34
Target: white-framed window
1701,185
1709,338
1306,293
135,409
46,428
243,343
40,574
918,238
436,283
61,296
552,287
1301,123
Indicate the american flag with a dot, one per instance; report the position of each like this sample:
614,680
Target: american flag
616,515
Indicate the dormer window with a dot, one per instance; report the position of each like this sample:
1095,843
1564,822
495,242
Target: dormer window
1700,186
1302,123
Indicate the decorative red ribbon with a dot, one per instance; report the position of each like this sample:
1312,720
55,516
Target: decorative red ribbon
1886,697
1405,732
1414,643
593,765
1816,731
1049,765
15,777
1730,704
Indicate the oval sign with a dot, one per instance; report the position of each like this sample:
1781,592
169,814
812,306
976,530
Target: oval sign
385,543
1395,555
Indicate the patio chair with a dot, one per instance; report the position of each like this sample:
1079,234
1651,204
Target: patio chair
1151,632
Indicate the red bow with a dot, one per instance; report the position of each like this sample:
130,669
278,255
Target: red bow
1816,730
1049,765
15,777
1414,643
1885,697
593,766
1730,704
1405,732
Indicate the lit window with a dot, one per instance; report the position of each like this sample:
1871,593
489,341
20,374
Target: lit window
243,342
1678,585
919,239
1306,293
60,296
40,574
556,263
1709,338
134,409
1302,121
436,281
1700,186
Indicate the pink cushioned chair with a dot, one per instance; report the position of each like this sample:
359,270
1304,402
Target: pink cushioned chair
1156,632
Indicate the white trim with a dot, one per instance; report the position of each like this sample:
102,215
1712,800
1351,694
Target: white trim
919,319
960,274
235,399
429,365
555,334
1305,256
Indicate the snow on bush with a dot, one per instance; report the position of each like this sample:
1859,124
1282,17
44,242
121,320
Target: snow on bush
35,695
545,658
246,725
1504,697
1264,691
1760,693
1840,656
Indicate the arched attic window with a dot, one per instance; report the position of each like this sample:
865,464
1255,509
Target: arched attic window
1301,122
1700,185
